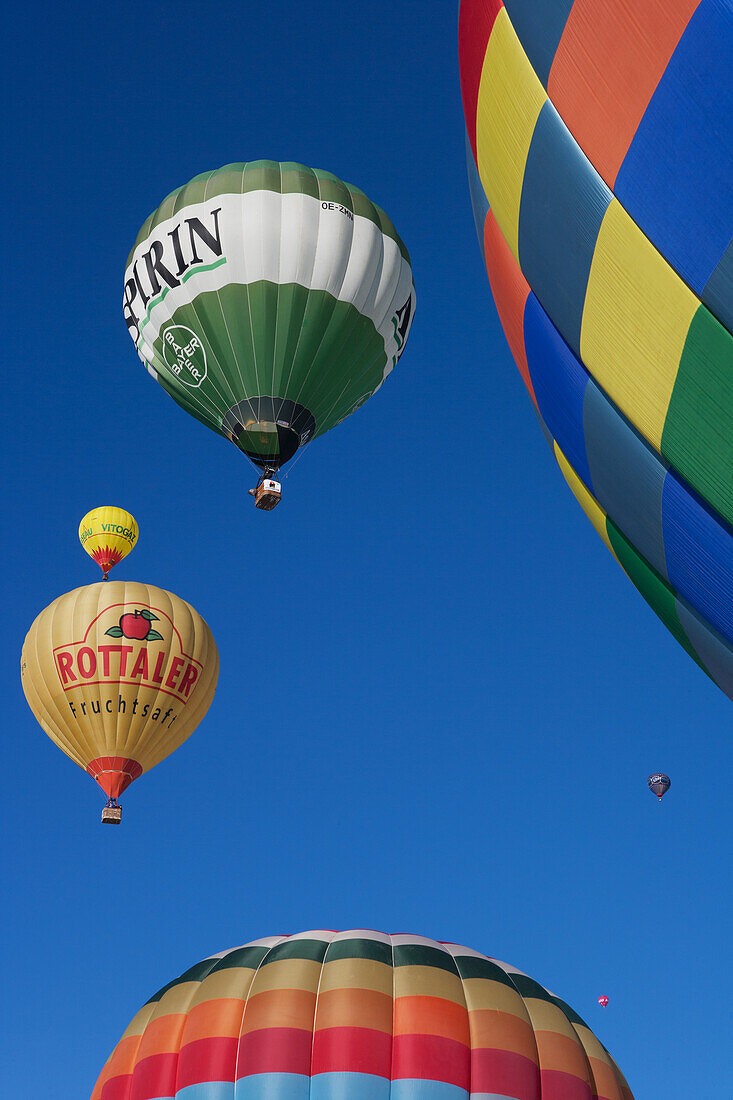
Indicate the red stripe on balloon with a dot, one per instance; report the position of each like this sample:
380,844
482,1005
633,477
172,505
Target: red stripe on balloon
154,1076
432,1058
557,1085
275,1050
475,23
212,1059
352,1050
117,1088
504,1072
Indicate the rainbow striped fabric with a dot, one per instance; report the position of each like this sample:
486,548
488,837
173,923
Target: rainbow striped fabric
600,139
357,1015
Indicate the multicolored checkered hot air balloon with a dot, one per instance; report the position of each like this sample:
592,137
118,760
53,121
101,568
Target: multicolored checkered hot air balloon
600,146
357,1016
270,301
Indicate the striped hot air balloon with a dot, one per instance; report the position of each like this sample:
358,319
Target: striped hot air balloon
357,1016
600,145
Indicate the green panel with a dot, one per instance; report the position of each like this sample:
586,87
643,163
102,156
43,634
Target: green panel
358,948
698,431
651,585
282,341
249,957
297,949
471,967
420,954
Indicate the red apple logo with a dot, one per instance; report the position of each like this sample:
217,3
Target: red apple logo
137,625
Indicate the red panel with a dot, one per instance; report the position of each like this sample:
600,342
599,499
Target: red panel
117,1088
510,290
275,1050
114,773
352,1049
154,1077
557,1085
506,1073
606,69
207,1060
475,23
433,1058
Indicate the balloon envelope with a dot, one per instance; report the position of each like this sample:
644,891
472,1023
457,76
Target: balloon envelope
599,179
603,1001
356,1016
108,534
119,675
270,301
659,784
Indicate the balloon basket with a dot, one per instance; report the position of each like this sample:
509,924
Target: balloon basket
111,814
267,494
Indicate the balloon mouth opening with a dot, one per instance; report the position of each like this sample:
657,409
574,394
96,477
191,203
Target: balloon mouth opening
268,429
114,774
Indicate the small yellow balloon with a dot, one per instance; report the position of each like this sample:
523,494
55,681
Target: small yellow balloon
108,535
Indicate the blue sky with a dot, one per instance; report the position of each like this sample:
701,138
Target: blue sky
463,693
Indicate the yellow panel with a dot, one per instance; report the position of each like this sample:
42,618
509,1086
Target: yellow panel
356,974
429,981
483,993
635,320
510,99
588,503
287,974
231,981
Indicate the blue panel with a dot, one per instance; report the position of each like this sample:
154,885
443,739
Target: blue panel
718,291
562,207
559,382
273,1086
409,1088
676,180
699,549
349,1086
207,1090
479,202
627,476
715,654
539,25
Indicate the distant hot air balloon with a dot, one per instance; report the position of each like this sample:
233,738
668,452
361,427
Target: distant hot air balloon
270,301
603,1001
599,176
108,534
659,784
357,1016
119,675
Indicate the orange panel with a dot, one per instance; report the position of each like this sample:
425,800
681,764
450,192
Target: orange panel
354,1008
280,1008
510,290
221,1018
560,1052
431,1016
610,59
503,1031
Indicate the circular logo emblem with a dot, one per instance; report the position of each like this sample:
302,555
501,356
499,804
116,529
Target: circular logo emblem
184,354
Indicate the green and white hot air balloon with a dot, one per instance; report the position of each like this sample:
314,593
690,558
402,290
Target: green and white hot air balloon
270,301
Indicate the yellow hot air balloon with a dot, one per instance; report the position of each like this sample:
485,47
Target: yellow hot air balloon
108,534
119,675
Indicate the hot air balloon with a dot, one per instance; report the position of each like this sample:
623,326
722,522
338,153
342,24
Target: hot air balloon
659,784
108,534
603,1001
270,301
598,153
119,675
357,1016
